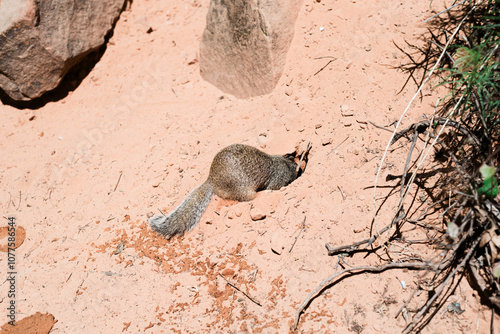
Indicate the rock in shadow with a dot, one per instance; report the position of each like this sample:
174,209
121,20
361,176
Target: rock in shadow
69,83
48,48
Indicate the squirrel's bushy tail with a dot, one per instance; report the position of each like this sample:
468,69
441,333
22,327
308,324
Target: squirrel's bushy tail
186,215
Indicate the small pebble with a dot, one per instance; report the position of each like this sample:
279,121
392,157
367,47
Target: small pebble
277,242
326,141
228,272
262,139
237,211
257,214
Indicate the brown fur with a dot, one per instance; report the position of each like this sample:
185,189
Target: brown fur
237,172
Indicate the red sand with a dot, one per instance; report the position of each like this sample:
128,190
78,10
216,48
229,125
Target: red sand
140,132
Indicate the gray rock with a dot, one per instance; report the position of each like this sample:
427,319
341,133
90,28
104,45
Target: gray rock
41,40
244,45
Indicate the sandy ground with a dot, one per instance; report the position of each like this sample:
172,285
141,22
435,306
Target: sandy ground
80,175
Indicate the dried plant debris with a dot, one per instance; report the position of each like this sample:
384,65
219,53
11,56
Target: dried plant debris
449,185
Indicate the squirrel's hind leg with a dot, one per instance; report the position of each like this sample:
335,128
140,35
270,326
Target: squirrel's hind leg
240,193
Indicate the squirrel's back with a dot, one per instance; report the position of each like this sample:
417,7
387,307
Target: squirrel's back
237,172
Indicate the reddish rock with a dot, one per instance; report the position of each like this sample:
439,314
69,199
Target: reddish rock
41,40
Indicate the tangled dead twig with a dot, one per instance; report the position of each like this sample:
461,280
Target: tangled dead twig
460,248
446,199
336,278
355,246
438,292
423,126
428,76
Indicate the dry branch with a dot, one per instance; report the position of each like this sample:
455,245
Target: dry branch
335,278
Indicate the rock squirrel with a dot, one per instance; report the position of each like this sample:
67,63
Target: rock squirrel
237,172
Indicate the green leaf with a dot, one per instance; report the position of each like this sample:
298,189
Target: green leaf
490,183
